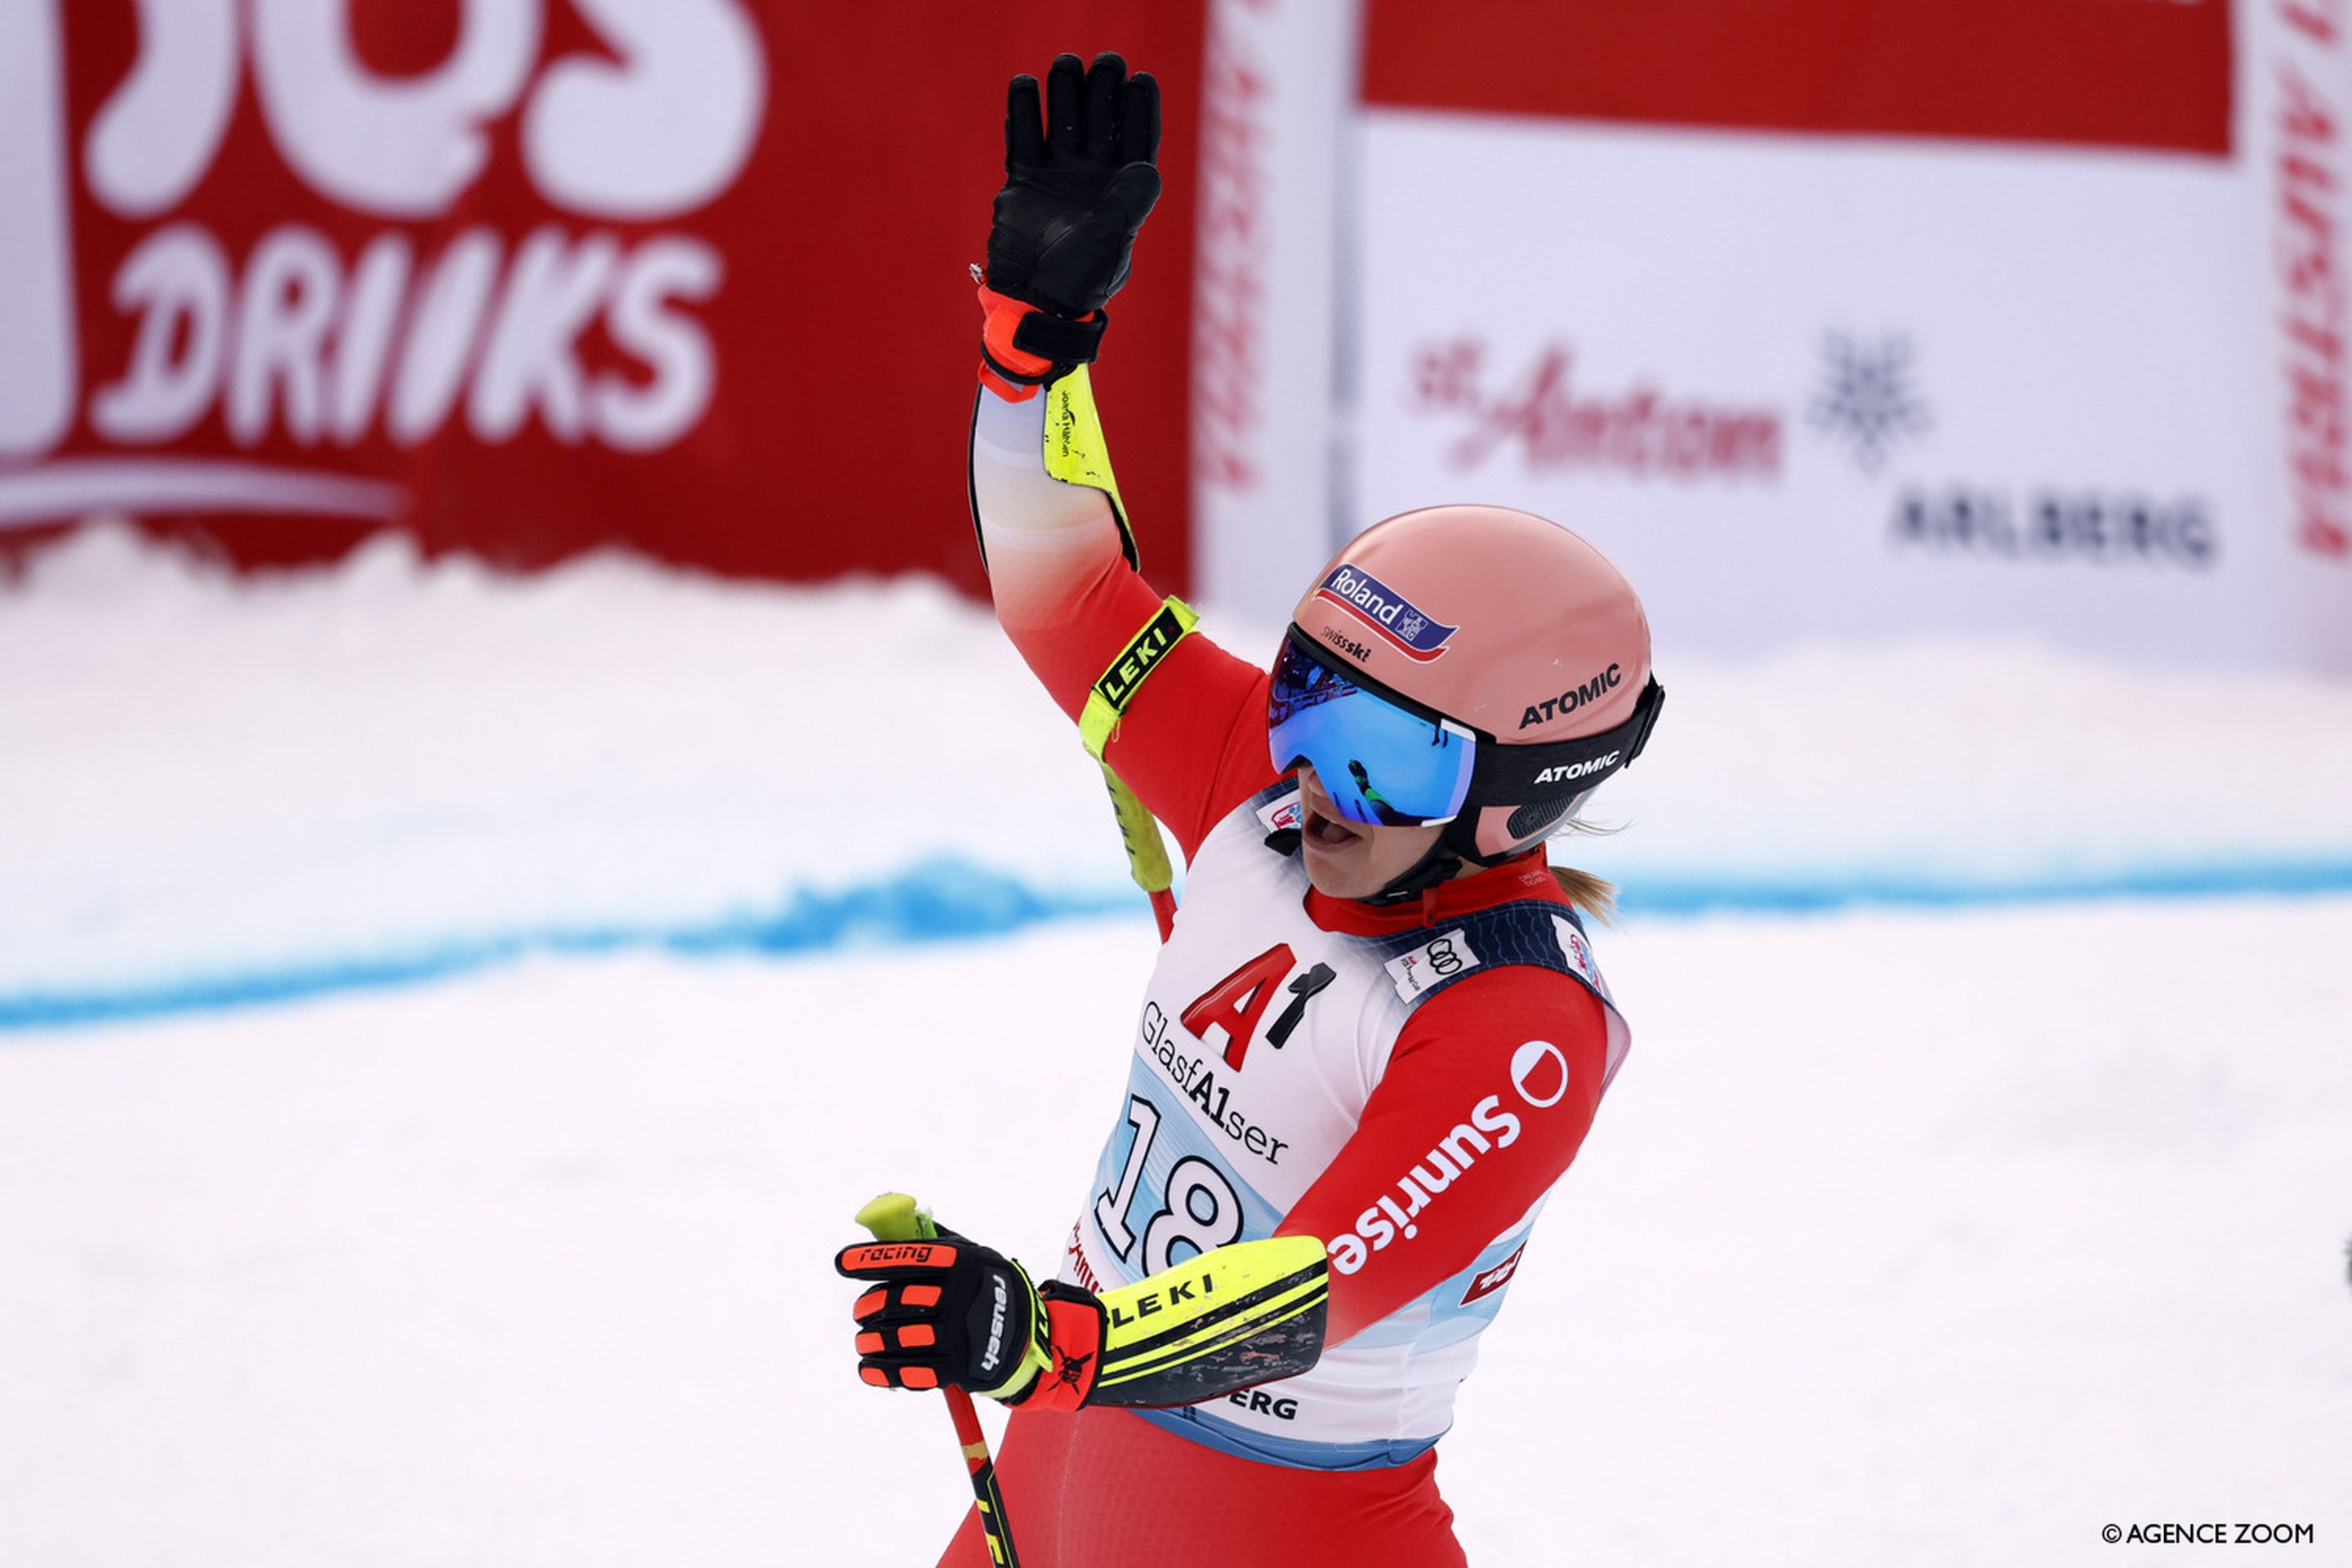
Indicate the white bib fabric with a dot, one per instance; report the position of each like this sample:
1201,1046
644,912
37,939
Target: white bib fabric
1209,1150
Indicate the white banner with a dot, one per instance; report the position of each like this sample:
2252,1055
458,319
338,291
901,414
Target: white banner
1276,93
1810,386
2061,364
2295,126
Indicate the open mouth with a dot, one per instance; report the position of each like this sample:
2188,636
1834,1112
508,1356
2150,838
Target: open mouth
1322,830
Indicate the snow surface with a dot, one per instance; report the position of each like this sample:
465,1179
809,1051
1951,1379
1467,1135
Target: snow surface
401,769
1995,1228
1908,1236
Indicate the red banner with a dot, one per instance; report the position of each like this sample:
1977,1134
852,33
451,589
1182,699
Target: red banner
530,276
2123,73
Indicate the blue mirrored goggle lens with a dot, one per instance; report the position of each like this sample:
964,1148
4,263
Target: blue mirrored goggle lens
1380,764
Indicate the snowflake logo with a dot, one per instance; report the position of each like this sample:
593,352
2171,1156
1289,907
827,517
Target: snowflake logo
1866,398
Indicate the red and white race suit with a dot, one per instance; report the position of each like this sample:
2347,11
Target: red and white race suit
1405,1084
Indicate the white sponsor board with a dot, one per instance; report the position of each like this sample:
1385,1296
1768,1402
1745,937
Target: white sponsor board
1278,84
1805,386
2295,130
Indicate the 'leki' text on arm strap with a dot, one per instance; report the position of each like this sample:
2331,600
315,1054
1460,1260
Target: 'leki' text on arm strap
1107,700
1239,1315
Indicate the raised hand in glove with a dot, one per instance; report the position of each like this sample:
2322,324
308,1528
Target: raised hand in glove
1077,190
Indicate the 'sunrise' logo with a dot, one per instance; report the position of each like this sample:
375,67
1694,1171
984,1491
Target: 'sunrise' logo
396,335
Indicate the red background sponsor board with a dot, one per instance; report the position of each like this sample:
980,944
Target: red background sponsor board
555,405
2123,73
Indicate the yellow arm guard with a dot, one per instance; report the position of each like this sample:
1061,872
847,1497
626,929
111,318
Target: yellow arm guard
1075,452
1243,1314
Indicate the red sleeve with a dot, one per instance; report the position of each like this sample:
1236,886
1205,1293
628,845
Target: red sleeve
1193,742
1451,1077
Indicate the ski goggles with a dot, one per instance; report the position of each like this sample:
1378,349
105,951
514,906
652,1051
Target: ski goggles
1382,759
1386,761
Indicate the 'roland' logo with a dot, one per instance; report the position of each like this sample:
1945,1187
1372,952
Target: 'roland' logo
1402,625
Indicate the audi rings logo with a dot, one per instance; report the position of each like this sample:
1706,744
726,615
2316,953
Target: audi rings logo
1539,1072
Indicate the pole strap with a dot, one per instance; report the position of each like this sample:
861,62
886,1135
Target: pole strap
1108,700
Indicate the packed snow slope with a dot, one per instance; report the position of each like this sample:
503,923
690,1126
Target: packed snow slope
1948,1222
214,790
1917,1237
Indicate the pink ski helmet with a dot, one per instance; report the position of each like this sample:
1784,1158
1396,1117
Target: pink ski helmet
1509,627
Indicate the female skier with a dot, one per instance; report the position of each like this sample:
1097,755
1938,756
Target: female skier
1375,1036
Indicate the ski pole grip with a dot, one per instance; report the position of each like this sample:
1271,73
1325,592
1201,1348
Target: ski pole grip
893,1217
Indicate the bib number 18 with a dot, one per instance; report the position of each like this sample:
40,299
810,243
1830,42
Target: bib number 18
1201,1210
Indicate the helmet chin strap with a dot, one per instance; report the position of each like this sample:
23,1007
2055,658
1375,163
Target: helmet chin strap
1442,863
1457,844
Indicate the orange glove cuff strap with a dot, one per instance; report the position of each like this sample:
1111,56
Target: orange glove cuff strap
1074,1344
1013,370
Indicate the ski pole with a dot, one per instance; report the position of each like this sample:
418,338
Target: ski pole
1147,853
893,1217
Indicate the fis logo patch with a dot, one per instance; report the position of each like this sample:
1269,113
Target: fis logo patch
1576,949
1399,623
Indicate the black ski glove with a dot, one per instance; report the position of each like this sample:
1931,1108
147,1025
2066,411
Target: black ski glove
946,1311
1074,195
